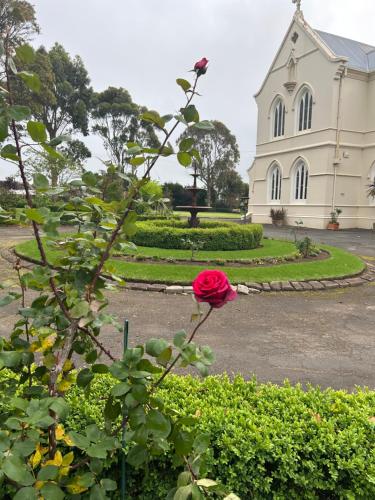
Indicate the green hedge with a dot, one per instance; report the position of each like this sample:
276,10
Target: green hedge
212,235
268,442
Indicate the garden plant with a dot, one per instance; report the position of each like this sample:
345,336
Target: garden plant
41,359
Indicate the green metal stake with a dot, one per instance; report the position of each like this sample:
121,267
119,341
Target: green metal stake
123,440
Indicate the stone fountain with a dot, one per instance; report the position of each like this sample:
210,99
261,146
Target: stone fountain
193,208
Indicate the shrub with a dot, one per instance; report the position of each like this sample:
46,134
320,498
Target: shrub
10,200
212,235
267,442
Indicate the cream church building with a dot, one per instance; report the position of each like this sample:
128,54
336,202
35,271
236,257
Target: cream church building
316,131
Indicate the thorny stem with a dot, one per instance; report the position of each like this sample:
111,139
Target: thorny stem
122,220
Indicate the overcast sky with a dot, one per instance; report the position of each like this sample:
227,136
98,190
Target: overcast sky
144,45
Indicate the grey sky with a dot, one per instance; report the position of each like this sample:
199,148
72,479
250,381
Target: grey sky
144,45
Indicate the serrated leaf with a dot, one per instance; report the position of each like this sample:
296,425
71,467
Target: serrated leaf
119,390
179,339
35,215
190,113
137,456
154,347
183,493
153,117
158,424
186,144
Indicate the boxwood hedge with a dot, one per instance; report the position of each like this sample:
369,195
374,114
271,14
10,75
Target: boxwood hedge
211,235
268,442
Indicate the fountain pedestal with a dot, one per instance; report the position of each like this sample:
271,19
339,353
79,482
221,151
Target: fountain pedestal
193,208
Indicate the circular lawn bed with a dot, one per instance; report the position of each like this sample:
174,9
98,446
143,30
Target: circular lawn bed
338,264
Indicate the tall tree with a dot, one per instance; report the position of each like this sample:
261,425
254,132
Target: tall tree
17,21
219,152
117,121
230,189
63,104
59,170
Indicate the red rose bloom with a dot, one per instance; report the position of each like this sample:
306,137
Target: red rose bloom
200,67
214,288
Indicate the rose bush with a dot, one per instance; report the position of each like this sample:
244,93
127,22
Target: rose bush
213,287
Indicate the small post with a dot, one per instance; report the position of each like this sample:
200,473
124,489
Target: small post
123,437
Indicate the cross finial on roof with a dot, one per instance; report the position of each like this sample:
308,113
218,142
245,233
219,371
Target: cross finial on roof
298,2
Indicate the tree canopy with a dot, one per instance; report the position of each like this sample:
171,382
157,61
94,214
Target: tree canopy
117,121
64,102
17,21
219,153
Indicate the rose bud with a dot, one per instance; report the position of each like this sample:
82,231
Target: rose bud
200,67
213,287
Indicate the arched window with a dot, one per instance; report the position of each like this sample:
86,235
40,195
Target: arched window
279,119
305,111
275,183
371,185
301,181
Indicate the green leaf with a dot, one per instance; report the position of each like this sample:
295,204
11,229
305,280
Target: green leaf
60,407
37,131
28,493
31,80
16,471
137,161
7,299
97,451
137,456
84,377
190,113
153,117
60,139
154,347
97,493
119,390
24,448
186,144
52,152
184,479
25,53
184,158
100,368
18,113
165,356
3,128
205,125
10,359
206,483
49,472
109,484
183,493
184,84
51,491
81,308
179,339
10,152
90,179
158,424
40,182
35,215
201,443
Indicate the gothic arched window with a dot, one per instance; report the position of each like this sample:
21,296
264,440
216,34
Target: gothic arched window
301,180
274,181
305,111
279,119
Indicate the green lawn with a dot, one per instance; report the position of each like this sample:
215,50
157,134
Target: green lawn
269,248
339,264
210,215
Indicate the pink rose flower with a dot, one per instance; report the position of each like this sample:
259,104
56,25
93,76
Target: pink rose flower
200,67
214,288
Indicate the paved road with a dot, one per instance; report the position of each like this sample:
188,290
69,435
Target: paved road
326,338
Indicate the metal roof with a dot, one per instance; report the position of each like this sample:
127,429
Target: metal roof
361,56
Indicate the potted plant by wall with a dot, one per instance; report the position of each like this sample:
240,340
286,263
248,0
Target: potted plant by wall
278,216
333,223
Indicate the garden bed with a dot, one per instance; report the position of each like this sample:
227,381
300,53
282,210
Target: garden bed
340,264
